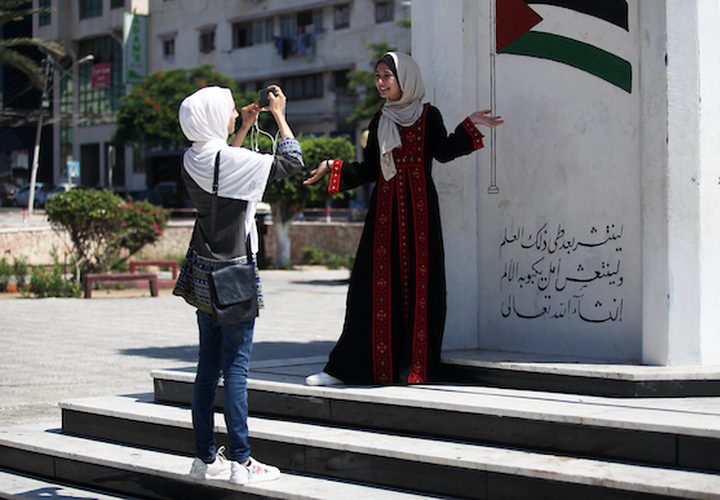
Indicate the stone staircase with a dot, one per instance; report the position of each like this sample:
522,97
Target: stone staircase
378,442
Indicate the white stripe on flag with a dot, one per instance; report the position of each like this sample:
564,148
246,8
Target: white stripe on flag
587,29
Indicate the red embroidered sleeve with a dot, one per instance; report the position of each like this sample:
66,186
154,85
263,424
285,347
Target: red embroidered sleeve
476,135
335,171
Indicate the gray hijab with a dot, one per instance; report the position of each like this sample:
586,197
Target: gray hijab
403,112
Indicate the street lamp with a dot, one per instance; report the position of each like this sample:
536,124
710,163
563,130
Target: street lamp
48,62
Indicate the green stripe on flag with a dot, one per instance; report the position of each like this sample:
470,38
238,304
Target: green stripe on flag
583,56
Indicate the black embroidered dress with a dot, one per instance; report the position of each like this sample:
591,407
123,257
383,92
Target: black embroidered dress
395,311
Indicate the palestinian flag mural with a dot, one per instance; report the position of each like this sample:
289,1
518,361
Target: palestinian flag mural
519,31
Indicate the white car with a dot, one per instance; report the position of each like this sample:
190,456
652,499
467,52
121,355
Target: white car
63,187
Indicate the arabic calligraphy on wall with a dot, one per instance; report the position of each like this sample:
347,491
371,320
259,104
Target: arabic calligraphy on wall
550,274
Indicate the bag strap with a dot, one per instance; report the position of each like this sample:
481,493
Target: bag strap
213,204
213,201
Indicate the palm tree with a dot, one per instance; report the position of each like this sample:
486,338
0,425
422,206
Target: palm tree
16,10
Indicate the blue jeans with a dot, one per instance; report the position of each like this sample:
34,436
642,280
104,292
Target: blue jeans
225,348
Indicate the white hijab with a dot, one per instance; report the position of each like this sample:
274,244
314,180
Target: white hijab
204,118
403,112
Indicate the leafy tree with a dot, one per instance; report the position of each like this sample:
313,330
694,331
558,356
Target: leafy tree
104,229
363,82
149,112
15,10
289,196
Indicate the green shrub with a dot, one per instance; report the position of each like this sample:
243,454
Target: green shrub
52,282
105,230
340,261
20,271
5,273
315,256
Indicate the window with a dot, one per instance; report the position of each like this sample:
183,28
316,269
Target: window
342,16
299,23
242,35
262,31
248,33
341,81
97,104
90,8
384,11
207,41
303,87
117,4
254,86
44,18
168,45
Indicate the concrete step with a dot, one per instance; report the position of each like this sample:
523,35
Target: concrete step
568,374
409,463
675,433
15,485
129,470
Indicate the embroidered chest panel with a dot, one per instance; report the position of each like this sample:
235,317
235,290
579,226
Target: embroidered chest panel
411,151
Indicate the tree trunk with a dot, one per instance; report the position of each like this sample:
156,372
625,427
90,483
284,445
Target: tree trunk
282,215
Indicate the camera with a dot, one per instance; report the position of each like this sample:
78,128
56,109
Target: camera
263,94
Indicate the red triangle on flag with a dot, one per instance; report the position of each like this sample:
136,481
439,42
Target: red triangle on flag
513,18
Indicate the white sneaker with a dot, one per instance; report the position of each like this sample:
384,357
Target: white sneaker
323,378
201,470
253,472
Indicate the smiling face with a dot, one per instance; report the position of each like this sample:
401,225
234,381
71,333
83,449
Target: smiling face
386,83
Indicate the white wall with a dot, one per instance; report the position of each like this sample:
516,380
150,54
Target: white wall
693,186
601,241
709,139
442,45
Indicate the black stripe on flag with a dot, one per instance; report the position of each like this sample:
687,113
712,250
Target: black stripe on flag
612,11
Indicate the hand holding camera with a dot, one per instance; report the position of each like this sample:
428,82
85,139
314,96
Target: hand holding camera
272,99
269,99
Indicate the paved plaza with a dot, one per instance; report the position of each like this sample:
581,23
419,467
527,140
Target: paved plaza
55,349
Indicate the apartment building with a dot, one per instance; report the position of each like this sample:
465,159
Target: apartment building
307,46
86,89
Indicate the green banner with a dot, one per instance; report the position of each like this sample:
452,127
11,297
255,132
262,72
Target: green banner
135,47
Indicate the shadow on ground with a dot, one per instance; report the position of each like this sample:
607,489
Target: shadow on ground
261,351
321,282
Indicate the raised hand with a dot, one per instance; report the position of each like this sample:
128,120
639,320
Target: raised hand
316,174
485,118
249,114
277,100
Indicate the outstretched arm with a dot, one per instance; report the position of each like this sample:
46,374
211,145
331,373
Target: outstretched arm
463,140
344,176
248,115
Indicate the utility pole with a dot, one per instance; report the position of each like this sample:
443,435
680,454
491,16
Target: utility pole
44,104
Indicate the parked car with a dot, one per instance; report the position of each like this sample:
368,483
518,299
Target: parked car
165,193
22,195
7,191
63,187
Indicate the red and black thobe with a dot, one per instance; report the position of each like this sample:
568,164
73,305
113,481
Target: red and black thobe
395,311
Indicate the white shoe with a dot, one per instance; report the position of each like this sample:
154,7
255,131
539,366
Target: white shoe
323,378
253,472
201,470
